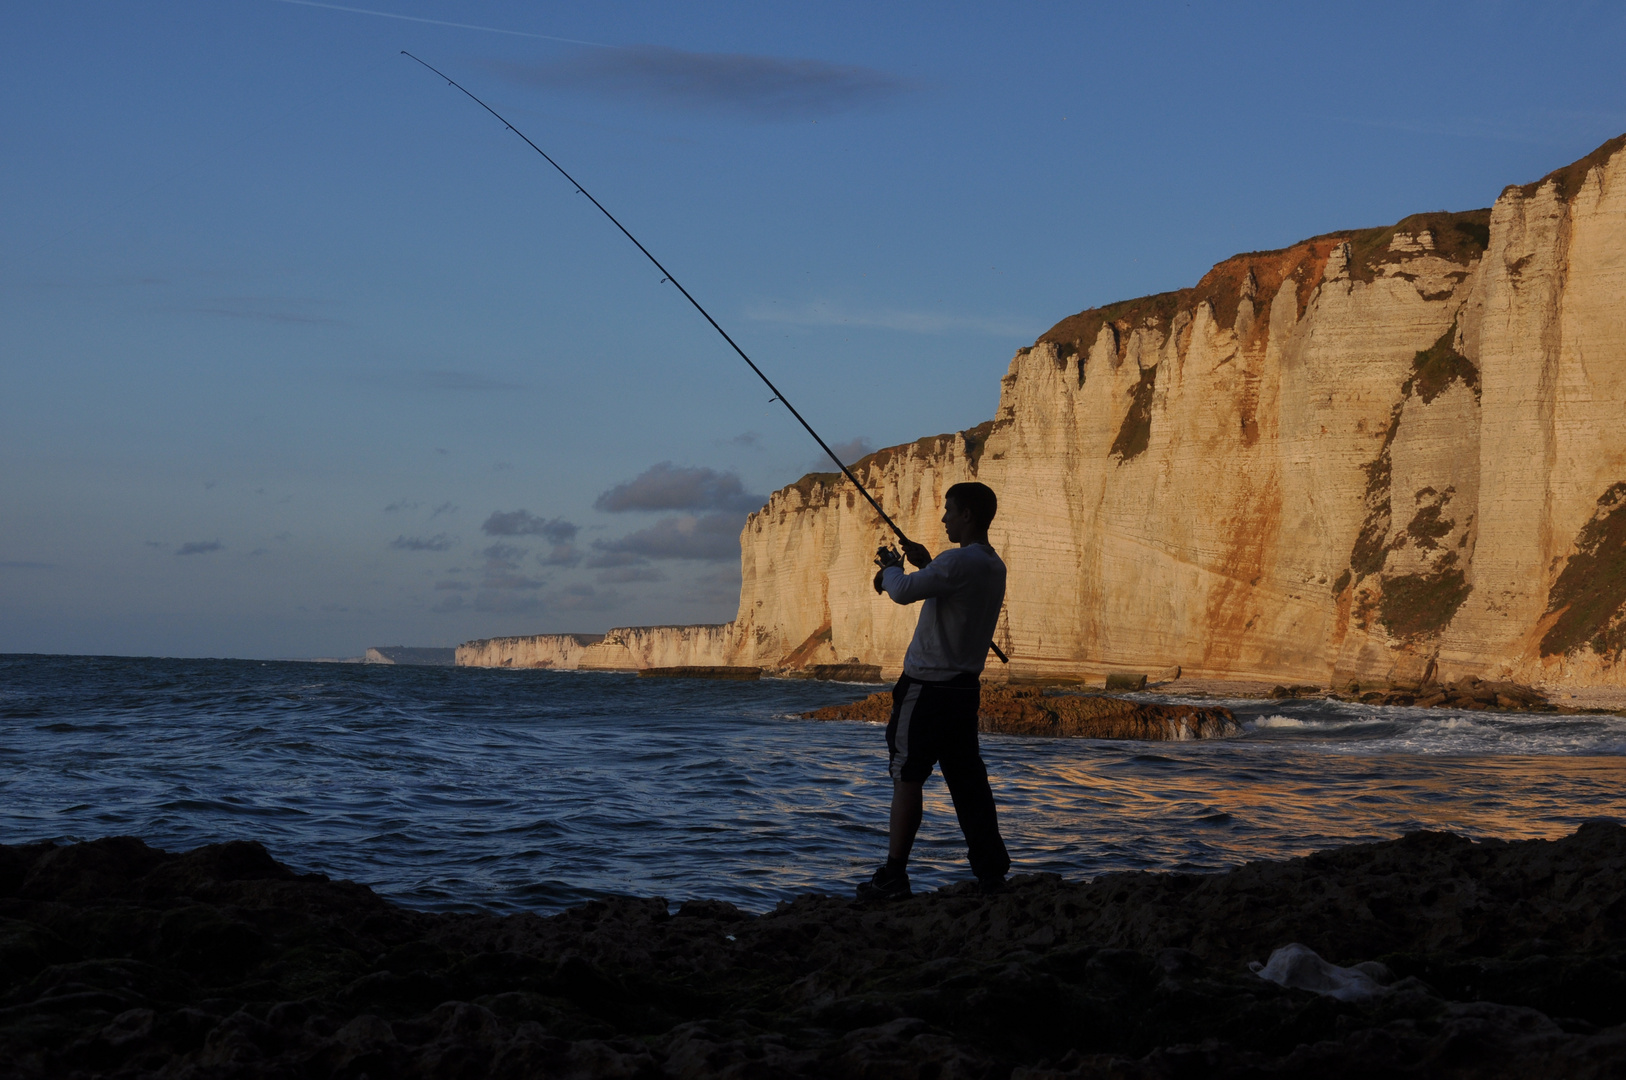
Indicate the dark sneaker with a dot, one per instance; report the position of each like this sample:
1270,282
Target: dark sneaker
887,884
992,886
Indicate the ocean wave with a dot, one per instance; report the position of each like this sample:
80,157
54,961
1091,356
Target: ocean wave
1341,727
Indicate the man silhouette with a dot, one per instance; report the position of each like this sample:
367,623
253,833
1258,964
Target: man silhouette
934,704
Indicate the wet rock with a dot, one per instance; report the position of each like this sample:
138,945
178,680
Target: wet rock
874,709
1493,959
1471,693
1024,711
85,871
1091,716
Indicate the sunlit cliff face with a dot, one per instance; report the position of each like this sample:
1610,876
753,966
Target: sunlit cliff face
1373,455
1380,455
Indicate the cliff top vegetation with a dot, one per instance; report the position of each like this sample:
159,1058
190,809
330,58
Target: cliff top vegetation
1568,179
1459,236
1256,276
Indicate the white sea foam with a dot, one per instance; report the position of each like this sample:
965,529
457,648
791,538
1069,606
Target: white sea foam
1313,725
1369,730
1281,723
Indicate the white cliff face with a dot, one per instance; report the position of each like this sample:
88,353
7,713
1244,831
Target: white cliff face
1358,458
1552,350
630,647
626,648
1188,490
562,651
1368,456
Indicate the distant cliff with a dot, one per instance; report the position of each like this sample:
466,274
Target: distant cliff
622,649
562,651
1373,454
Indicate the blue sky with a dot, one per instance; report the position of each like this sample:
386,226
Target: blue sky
301,352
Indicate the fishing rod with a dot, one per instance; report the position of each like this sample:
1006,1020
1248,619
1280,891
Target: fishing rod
667,276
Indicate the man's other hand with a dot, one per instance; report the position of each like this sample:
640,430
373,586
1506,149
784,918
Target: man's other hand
916,554
885,558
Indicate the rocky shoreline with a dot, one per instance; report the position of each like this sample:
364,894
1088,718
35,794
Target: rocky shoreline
1055,711
1494,958
1010,710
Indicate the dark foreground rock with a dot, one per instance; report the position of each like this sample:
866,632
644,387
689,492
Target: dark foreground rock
1507,959
1023,711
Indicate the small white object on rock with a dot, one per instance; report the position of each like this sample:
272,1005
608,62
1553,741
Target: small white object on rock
1299,968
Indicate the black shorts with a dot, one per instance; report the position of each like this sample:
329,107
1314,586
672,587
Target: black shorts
931,721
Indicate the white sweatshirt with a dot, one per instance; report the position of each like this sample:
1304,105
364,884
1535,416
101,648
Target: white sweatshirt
963,589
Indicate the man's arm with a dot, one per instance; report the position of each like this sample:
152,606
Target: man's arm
904,588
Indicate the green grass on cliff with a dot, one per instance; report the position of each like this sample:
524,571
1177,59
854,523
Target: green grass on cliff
1589,596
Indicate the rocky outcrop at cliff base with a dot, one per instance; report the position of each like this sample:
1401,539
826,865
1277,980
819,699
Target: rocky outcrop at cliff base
1494,959
1012,711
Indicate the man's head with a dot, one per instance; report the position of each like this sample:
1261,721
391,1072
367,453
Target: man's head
968,509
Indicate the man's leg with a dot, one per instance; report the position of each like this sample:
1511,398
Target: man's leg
909,763
967,779
891,881
907,809
909,772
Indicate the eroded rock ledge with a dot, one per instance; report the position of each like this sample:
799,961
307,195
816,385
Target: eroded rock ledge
1507,959
1014,711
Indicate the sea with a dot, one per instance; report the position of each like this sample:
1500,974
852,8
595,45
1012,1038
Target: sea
496,790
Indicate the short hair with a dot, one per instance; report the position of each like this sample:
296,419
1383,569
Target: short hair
978,499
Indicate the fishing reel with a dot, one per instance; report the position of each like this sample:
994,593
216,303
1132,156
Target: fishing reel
886,557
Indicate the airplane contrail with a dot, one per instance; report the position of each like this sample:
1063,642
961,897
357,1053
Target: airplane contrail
442,22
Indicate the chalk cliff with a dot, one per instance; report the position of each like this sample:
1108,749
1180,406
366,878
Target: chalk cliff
1375,454
562,651
624,648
